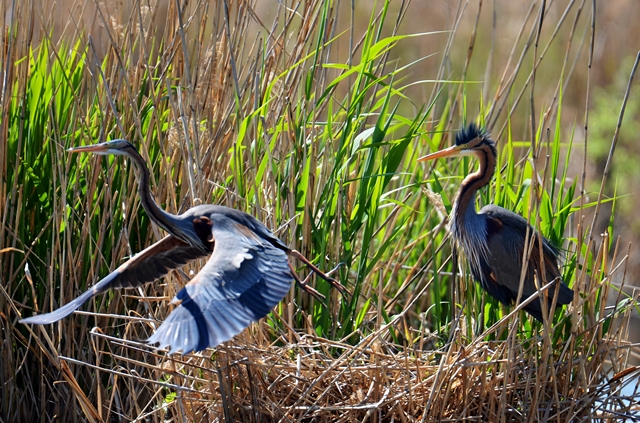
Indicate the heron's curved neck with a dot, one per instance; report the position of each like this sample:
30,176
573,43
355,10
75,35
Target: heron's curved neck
166,221
465,199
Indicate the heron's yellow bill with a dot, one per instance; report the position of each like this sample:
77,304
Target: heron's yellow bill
447,152
102,147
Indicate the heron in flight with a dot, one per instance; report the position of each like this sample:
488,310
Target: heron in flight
494,239
247,274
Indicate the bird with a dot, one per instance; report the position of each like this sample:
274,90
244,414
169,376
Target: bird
247,274
493,240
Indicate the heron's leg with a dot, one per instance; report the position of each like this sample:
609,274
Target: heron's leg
334,270
303,284
343,290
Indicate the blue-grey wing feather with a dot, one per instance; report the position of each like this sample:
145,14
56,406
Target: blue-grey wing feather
148,265
245,277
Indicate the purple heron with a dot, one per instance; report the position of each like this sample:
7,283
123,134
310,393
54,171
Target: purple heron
247,274
493,240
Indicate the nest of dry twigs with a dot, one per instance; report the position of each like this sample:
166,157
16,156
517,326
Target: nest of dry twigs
306,378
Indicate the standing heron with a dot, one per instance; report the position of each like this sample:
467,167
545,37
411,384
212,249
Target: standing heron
247,274
494,239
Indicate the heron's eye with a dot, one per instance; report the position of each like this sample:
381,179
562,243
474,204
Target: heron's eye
464,146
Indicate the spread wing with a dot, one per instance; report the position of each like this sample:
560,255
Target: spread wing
501,275
148,265
245,277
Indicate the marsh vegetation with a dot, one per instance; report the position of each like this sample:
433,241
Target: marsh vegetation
310,116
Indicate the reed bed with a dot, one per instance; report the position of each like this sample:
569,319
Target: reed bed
308,115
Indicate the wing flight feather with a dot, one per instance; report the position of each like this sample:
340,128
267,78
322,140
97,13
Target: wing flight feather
245,277
148,265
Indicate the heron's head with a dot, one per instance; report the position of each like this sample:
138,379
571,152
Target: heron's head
117,147
471,140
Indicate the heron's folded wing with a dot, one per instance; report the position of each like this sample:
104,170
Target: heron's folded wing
148,265
506,244
243,280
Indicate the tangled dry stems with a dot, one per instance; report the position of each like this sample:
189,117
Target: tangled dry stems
302,377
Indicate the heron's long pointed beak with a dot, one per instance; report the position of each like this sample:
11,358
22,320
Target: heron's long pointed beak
95,148
447,152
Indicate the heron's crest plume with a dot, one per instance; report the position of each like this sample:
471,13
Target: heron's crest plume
470,133
120,144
